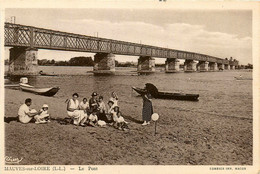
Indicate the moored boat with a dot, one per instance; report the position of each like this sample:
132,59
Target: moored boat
46,74
167,95
40,91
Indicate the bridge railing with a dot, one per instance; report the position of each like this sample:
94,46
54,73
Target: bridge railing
28,36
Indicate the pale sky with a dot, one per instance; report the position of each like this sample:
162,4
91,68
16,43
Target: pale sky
216,33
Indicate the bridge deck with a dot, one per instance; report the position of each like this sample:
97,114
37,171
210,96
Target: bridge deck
28,36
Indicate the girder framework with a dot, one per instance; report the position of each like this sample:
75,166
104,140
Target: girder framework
33,37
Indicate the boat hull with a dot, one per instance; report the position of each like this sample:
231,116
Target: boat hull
40,91
167,95
43,74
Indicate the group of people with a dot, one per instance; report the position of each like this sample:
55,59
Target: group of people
94,112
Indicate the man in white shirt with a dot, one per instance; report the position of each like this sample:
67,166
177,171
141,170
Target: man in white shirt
24,113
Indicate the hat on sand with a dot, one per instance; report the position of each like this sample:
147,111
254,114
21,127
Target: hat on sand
94,94
45,106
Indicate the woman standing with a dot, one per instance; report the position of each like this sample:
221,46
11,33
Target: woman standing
147,108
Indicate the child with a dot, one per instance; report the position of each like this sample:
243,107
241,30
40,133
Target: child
119,121
44,116
93,119
84,105
114,98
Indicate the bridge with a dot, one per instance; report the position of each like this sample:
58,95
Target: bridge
26,40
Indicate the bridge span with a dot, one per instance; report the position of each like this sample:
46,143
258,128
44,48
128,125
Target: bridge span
26,40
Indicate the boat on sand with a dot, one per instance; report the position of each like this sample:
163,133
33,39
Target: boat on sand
165,95
40,91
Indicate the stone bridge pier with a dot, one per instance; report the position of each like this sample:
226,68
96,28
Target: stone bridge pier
232,67
213,66
203,66
23,61
146,65
227,67
104,64
172,65
190,66
221,66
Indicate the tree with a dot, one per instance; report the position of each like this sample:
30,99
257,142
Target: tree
81,61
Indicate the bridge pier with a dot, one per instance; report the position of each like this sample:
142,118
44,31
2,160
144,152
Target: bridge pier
227,67
213,66
172,65
221,66
190,66
104,64
23,61
203,66
146,65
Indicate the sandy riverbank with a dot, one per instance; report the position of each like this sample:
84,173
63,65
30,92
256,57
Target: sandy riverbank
184,138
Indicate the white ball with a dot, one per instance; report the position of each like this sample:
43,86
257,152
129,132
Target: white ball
155,117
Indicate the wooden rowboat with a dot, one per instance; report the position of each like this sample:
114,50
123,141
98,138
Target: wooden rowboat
168,95
40,91
46,74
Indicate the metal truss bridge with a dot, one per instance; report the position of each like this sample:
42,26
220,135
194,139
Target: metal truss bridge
16,35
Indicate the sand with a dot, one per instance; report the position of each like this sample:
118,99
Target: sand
183,138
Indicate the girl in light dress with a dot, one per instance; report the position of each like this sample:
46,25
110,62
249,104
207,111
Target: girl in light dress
114,98
44,116
119,121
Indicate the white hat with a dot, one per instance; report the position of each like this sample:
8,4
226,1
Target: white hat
45,106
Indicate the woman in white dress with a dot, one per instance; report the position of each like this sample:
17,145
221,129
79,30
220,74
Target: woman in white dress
79,116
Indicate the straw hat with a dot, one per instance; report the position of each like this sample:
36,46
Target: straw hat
45,106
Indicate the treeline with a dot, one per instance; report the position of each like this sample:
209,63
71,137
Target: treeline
125,64
75,61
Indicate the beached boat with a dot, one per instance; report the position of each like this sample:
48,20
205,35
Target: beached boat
41,91
168,95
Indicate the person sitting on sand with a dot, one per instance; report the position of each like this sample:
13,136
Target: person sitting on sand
119,121
114,98
44,116
110,110
25,114
93,102
93,119
102,110
79,116
84,105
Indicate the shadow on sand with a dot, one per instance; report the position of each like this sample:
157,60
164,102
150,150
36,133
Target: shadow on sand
133,119
9,119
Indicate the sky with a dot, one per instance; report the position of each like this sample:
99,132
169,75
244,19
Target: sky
219,33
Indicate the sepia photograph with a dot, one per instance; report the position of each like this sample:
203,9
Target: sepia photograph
128,86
